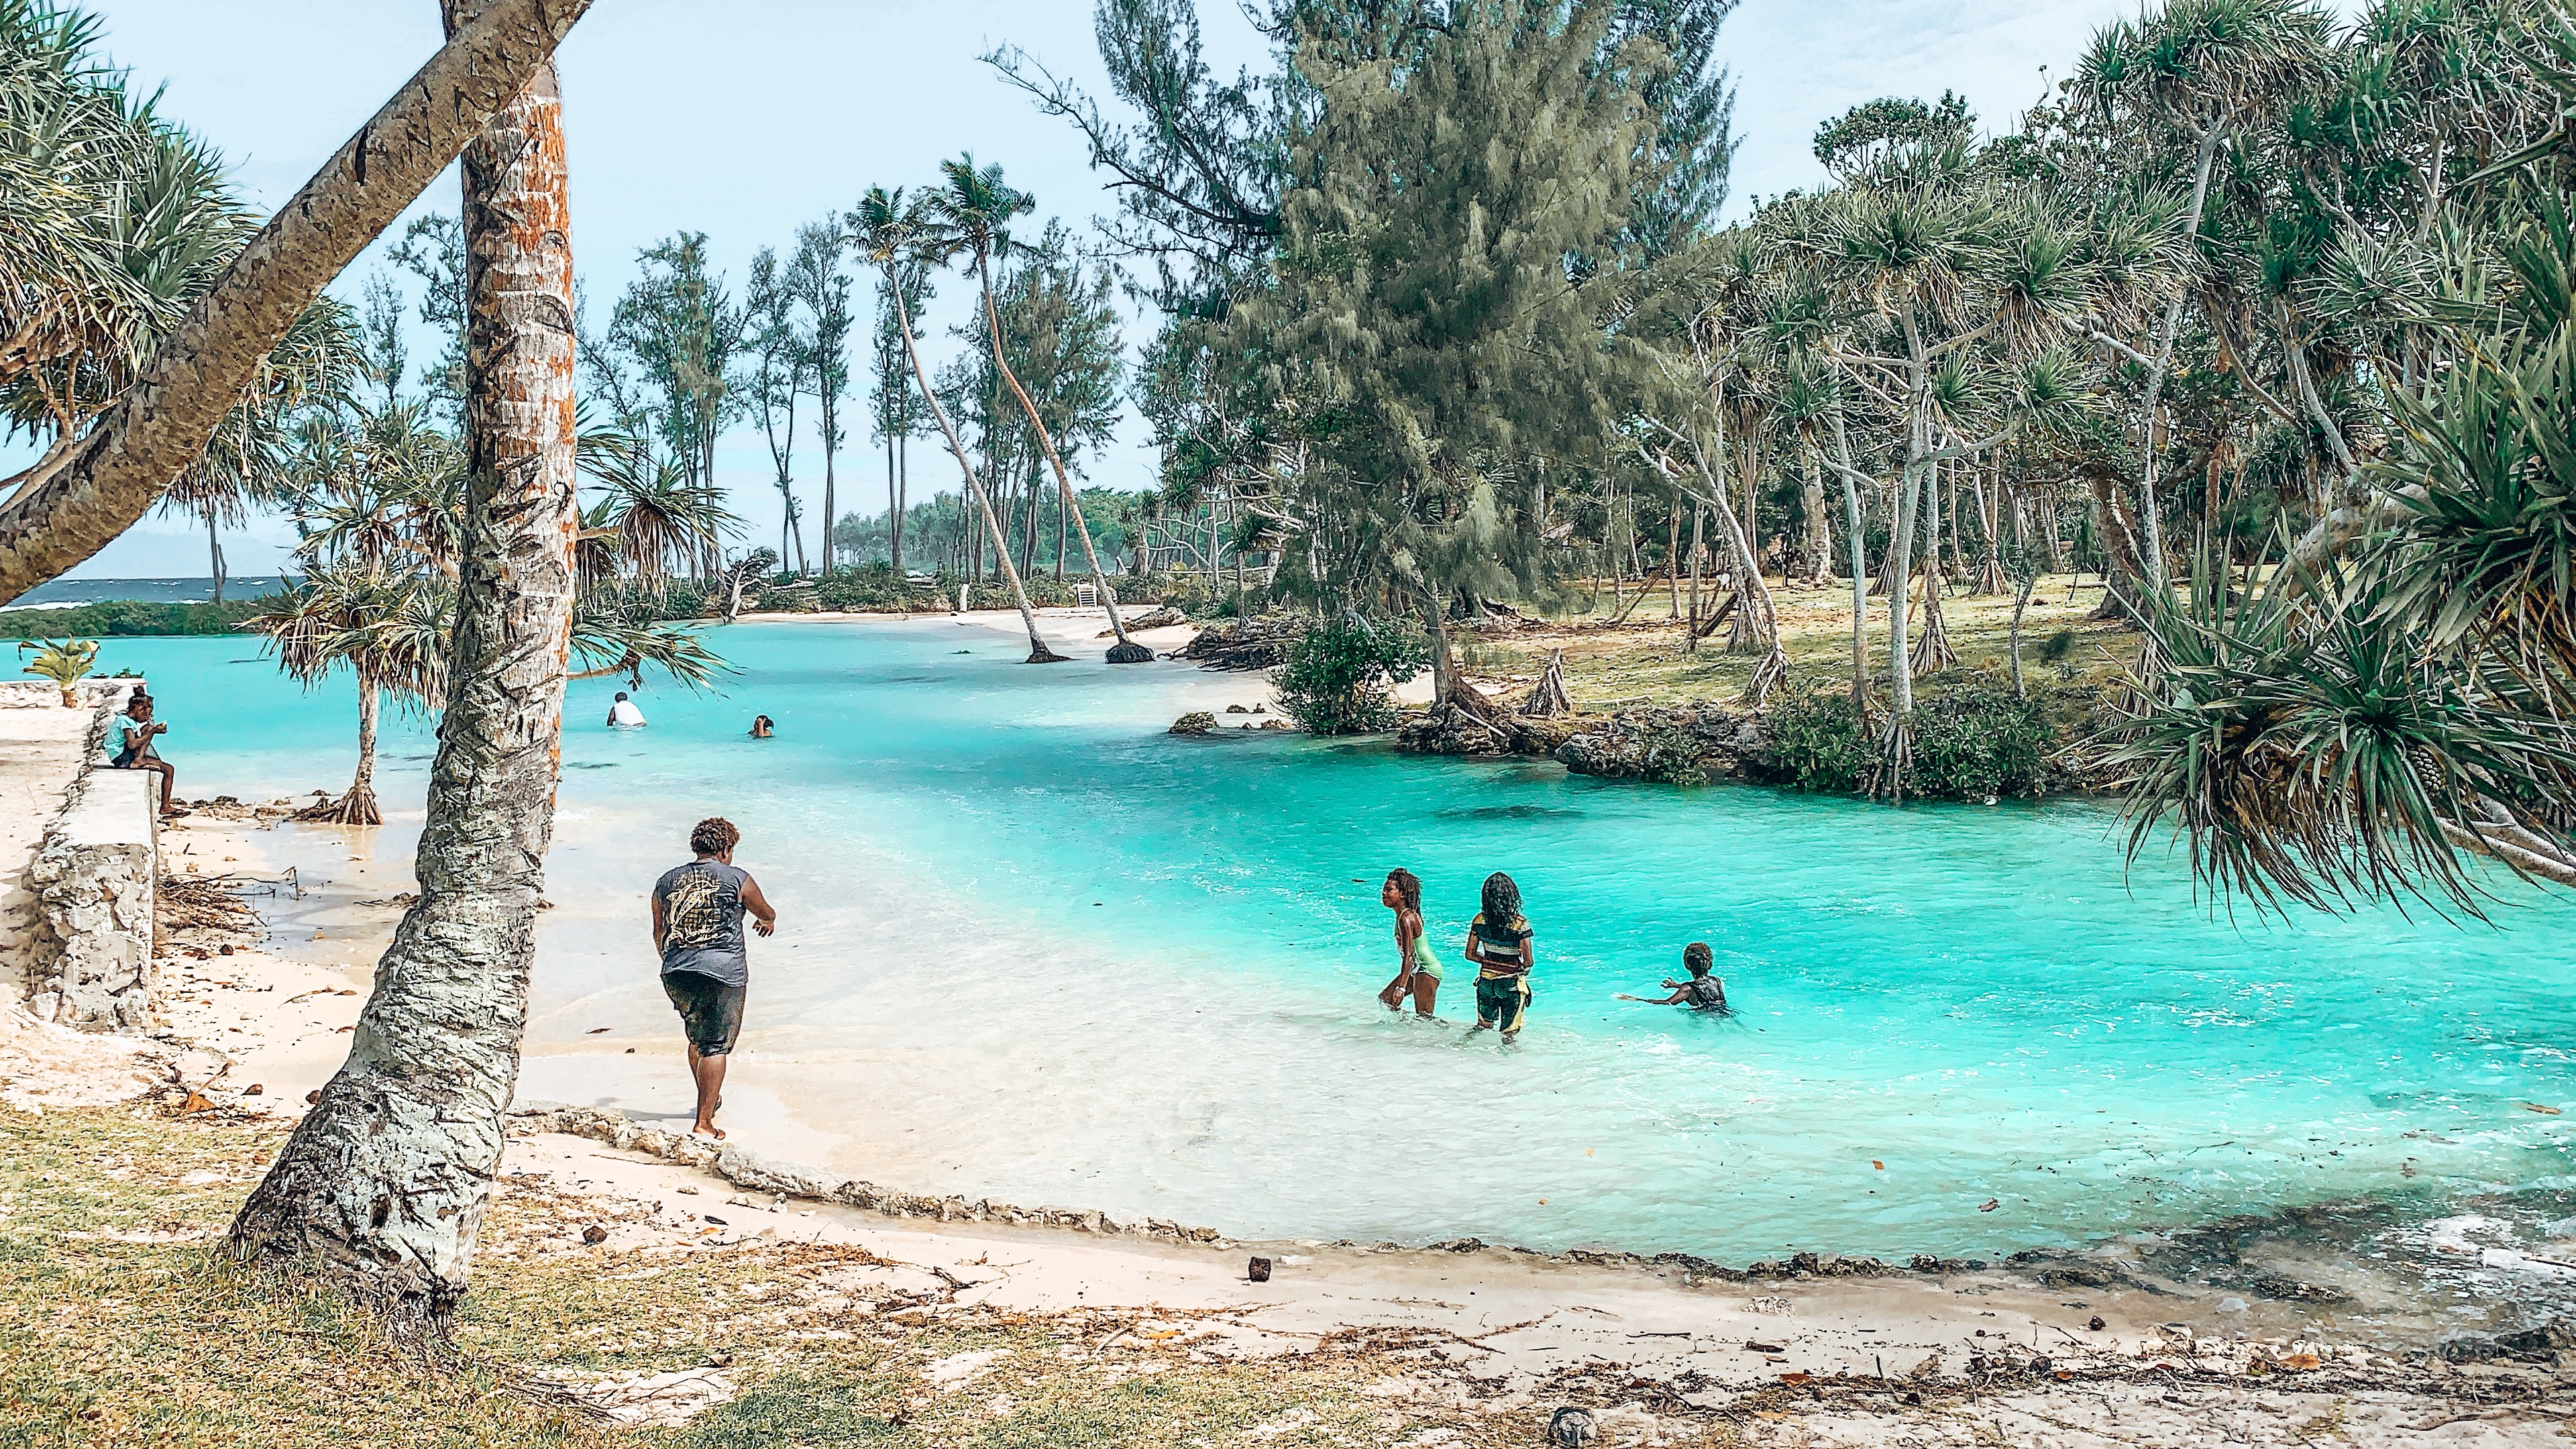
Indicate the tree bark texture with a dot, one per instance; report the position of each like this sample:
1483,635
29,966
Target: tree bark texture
75,502
384,1184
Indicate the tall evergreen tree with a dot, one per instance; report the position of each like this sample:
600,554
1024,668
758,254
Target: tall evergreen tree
1435,319
819,284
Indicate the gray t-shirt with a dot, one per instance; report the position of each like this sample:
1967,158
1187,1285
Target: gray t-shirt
702,921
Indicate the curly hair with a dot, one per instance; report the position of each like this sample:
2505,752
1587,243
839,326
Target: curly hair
714,836
1502,900
1696,957
1408,889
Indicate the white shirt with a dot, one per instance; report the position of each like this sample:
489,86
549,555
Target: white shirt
624,713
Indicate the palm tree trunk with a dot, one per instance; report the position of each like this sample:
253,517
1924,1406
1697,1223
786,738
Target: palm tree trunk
1817,550
828,520
1125,651
894,515
1932,651
1039,653
70,506
1673,562
383,1185
2166,335
214,551
1690,630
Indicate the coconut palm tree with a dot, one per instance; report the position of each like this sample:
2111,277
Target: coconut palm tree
891,232
977,206
384,1181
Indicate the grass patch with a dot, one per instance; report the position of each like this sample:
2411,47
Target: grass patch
122,1322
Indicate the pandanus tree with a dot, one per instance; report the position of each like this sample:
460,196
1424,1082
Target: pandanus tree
2202,71
2357,723
1962,293
976,208
388,629
90,487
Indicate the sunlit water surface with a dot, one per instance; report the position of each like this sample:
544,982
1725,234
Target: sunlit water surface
1036,948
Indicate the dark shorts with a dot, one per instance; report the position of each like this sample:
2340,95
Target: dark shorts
1502,1001
710,1010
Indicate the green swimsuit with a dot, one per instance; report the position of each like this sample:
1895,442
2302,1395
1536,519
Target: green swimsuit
1424,962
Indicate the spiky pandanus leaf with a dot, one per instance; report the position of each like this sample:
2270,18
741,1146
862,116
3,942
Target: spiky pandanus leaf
2304,751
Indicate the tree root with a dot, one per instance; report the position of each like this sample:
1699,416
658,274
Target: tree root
358,807
1040,654
1771,674
1895,757
1932,652
1128,652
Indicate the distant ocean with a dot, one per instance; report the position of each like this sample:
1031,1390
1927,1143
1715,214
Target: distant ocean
66,593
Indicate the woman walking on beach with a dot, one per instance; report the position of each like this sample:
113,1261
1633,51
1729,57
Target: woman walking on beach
1417,968
1502,949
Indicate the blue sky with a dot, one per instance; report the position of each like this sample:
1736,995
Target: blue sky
777,113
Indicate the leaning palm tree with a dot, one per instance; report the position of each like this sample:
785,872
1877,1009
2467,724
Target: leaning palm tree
94,483
977,207
892,233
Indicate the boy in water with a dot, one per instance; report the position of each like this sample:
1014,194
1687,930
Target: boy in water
1702,992
697,926
1502,949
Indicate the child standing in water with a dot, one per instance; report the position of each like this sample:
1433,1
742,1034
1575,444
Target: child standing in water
1417,970
1501,948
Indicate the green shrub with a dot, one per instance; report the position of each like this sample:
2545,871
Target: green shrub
1674,756
1195,595
1975,740
1336,677
1972,739
1816,743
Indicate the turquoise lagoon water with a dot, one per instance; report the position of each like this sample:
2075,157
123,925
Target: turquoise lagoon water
1038,949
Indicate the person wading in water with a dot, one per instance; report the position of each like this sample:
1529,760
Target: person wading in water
1702,992
697,926
1501,948
1417,969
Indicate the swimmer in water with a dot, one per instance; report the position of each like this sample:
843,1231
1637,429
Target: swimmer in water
1702,992
1417,969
